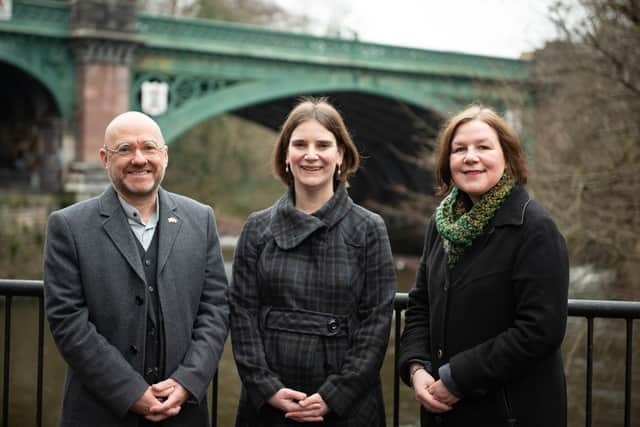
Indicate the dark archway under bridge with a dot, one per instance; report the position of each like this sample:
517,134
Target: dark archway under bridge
30,128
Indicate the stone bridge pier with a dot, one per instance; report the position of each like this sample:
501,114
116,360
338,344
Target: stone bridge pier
103,39
41,150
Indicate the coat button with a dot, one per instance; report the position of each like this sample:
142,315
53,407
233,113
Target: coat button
151,289
439,353
147,262
133,349
332,326
139,300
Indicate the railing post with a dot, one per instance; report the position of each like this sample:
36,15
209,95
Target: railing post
588,414
396,373
214,400
40,361
7,361
627,375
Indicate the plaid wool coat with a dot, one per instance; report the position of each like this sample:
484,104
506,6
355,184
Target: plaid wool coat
311,309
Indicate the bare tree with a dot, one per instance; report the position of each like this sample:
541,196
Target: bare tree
261,12
587,132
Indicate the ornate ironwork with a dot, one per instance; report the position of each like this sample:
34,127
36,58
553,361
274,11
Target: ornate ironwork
182,88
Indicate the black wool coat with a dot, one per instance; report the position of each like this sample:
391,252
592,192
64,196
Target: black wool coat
498,318
311,302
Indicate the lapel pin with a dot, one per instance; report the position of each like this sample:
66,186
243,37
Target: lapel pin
172,220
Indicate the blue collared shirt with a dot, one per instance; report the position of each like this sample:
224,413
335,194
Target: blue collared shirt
143,232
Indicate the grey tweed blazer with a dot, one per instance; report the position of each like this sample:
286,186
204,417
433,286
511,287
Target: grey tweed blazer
96,306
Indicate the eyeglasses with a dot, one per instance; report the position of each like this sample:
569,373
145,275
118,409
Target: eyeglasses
149,149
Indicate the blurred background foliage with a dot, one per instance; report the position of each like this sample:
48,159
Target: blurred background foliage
586,129
225,162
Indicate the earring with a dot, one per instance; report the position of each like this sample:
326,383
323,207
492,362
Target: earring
286,168
339,171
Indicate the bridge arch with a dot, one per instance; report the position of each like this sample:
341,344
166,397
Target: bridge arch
40,75
386,140
235,97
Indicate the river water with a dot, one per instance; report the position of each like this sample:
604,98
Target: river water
608,383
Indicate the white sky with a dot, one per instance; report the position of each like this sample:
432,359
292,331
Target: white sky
504,28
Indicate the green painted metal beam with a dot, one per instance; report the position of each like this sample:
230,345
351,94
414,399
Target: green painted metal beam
220,38
35,40
38,18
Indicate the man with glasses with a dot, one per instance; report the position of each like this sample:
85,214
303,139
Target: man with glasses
135,292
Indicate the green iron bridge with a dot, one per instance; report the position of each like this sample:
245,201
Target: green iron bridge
69,67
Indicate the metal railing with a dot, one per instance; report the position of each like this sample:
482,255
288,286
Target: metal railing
21,288
589,309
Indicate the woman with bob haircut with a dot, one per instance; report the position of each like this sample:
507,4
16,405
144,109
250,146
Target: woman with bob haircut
313,287
487,315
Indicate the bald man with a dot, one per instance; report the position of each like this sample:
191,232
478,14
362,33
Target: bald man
135,292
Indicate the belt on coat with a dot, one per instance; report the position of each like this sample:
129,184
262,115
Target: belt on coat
304,321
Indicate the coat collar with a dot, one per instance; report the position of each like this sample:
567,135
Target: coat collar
513,209
117,228
291,226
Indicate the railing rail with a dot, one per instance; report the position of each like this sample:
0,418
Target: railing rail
589,309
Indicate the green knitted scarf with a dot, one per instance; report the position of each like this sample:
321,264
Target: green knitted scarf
459,227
